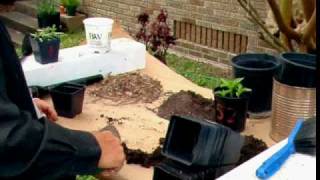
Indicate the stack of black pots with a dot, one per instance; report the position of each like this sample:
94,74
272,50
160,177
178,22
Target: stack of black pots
198,150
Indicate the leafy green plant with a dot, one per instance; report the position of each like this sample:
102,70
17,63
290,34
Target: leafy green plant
46,8
70,3
231,88
46,34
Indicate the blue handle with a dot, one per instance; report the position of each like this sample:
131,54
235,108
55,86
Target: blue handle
273,164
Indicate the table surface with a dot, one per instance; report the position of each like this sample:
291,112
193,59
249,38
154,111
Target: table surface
139,118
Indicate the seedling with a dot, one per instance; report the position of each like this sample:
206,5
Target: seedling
46,34
231,88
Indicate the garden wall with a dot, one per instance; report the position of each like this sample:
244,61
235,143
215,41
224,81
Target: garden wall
213,30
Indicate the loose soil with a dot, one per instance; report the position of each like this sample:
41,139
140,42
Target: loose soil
187,103
147,160
129,88
252,147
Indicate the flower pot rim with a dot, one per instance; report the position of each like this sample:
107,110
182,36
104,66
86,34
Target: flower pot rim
287,59
274,59
77,88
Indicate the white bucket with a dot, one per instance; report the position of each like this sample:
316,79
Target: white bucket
98,34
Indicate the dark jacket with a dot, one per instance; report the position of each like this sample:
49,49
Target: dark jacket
32,148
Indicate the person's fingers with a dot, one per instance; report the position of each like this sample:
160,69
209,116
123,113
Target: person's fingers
47,109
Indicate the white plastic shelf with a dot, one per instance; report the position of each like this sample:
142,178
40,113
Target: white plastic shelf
78,62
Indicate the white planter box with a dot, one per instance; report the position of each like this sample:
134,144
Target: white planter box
78,62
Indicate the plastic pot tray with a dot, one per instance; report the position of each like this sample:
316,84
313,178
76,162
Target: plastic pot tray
195,142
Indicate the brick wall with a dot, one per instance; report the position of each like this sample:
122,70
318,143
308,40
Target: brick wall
223,16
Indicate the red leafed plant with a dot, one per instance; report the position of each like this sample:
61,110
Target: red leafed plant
156,35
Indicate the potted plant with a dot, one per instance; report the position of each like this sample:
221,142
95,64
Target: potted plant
71,6
47,14
257,71
45,45
231,103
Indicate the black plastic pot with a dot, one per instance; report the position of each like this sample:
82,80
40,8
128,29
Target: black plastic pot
71,10
49,20
68,99
258,71
298,69
232,112
195,142
170,170
47,51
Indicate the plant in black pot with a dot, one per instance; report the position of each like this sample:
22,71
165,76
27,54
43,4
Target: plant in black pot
47,14
71,6
45,45
231,103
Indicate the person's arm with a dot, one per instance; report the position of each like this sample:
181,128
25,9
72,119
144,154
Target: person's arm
32,146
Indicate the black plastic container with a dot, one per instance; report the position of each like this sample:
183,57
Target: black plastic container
258,71
47,51
49,20
68,99
195,142
232,112
170,170
298,69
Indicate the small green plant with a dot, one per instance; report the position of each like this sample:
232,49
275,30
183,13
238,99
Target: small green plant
46,8
231,88
70,3
46,34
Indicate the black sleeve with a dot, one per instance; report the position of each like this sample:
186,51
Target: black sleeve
39,147
30,147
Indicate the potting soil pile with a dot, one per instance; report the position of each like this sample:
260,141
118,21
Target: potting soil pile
129,88
187,103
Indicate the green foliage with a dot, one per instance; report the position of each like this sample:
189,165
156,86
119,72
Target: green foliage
70,3
86,178
72,39
46,34
46,8
231,88
200,73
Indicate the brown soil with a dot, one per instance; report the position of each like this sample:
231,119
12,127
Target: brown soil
147,160
187,103
252,147
129,88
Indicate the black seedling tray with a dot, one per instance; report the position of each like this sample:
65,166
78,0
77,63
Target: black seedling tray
195,142
68,99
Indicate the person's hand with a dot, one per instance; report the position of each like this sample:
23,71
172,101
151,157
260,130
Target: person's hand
112,155
46,108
